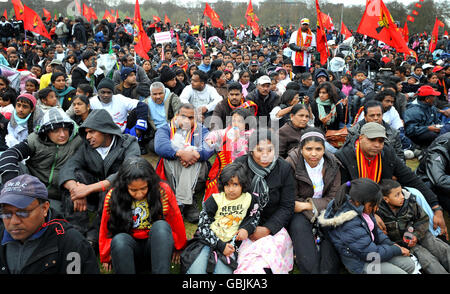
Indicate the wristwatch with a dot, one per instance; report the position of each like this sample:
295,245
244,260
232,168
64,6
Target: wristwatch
437,208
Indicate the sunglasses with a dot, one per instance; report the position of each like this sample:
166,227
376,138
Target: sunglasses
22,214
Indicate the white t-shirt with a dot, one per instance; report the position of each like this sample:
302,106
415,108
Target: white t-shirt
118,108
306,55
207,97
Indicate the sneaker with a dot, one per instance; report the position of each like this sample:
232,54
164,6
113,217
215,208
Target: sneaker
409,154
191,214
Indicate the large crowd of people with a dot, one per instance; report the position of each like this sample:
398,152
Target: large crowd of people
279,160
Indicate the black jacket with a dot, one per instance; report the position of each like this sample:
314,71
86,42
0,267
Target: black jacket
391,165
434,168
265,106
57,253
79,77
280,208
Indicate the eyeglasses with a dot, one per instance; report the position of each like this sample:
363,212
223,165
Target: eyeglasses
20,213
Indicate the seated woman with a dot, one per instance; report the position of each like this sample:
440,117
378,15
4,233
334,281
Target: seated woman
63,92
269,248
141,226
230,143
81,109
289,134
329,112
244,80
317,179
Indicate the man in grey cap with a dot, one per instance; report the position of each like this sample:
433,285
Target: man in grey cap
367,156
33,239
264,97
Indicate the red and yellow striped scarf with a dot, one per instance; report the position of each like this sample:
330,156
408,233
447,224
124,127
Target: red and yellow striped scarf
366,169
173,130
301,42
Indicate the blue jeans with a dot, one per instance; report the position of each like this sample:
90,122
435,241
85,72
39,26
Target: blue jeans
130,255
201,262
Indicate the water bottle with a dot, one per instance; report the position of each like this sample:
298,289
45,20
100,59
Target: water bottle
408,235
232,134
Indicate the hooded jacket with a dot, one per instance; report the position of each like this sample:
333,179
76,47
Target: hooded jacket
45,158
350,235
418,117
88,159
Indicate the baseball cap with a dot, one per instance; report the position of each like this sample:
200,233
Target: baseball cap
427,65
304,20
56,61
437,68
125,72
254,62
264,80
427,91
22,190
197,56
373,130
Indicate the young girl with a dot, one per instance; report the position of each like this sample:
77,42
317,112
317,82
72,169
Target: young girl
47,99
346,81
31,86
230,143
226,218
81,108
351,226
141,223
6,103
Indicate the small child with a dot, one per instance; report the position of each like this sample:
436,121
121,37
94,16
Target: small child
47,99
31,86
350,224
403,217
361,87
6,104
346,81
226,218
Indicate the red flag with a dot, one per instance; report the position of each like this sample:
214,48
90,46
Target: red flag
5,14
445,33
326,21
18,9
32,22
166,19
143,44
252,19
205,22
321,39
156,18
47,14
418,5
108,16
406,32
414,12
179,51
345,31
421,0
213,16
92,13
77,4
410,18
86,12
117,14
189,21
377,23
202,43
434,35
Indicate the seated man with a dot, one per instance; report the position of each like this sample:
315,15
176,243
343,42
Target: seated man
368,157
264,98
162,105
119,106
422,120
434,169
201,95
86,72
34,236
128,61
45,152
89,173
224,108
128,85
373,113
184,154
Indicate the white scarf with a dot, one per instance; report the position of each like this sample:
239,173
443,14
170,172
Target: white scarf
316,176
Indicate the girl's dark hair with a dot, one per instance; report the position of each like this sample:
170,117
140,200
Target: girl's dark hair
332,94
216,75
244,113
231,170
288,96
312,138
260,135
5,80
134,168
386,186
363,190
10,95
83,98
42,94
34,82
241,73
297,108
56,75
86,88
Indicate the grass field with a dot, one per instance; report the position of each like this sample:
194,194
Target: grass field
190,228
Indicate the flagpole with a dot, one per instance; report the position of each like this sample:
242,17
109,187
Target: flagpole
342,19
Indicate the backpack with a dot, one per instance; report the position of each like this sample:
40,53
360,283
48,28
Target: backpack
99,37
